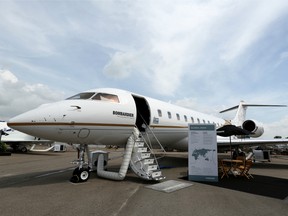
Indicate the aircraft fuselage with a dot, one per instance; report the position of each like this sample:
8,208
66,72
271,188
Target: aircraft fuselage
109,119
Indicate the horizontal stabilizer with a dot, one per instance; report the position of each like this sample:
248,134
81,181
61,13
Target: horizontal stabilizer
251,105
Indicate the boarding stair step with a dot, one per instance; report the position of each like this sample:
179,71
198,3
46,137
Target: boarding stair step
139,144
151,167
143,163
141,149
157,175
145,155
148,161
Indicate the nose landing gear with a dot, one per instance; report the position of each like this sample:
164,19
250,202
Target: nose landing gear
82,173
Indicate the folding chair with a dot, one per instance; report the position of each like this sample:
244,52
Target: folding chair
241,158
223,169
244,169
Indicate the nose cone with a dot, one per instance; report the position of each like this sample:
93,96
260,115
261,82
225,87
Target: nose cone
46,121
22,122
31,121
20,119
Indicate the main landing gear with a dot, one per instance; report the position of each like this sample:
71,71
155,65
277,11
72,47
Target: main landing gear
82,172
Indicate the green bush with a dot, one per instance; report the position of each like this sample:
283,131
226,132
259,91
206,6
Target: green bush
3,147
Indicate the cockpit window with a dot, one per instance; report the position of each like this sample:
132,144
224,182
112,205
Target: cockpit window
106,97
82,96
94,96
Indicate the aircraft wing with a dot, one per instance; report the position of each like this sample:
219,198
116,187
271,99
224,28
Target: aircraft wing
251,142
19,137
19,141
41,150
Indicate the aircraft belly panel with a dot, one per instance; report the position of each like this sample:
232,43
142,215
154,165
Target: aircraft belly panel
95,135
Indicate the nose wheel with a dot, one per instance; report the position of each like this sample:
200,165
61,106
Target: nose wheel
80,175
82,172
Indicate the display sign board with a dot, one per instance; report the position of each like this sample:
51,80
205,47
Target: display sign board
202,150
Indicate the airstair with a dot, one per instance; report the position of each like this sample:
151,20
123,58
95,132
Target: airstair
139,155
144,162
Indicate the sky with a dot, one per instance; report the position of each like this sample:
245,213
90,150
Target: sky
204,55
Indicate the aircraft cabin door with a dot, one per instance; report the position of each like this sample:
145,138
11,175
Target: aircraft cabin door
143,113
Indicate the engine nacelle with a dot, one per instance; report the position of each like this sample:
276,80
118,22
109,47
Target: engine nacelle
254,128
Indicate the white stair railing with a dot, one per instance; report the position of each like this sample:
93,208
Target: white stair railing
143,162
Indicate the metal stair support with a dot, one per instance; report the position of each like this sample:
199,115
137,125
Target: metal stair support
143,162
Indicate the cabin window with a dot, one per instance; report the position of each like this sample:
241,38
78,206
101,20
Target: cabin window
106,97
159,113
198,120
185,118
169,115
192,119
178,116
81,96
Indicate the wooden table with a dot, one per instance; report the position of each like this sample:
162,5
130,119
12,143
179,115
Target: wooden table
233,166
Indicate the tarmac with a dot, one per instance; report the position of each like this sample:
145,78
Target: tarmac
38,184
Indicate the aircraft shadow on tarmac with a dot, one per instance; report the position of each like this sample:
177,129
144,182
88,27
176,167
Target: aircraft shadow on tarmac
268,186
260,185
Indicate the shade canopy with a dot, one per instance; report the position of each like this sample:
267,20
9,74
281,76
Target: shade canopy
230,130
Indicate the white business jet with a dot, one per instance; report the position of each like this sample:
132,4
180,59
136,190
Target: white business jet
109,116
22,142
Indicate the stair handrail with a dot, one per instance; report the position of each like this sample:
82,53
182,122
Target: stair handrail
149,144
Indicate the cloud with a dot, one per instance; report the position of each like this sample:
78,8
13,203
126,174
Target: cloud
17,97
204,54
188,39
23,25
244,32
6,75
121,65
276,128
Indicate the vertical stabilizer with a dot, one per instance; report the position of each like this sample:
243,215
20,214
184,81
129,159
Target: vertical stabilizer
241,111
240,114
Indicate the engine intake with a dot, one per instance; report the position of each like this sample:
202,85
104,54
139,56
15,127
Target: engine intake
255,129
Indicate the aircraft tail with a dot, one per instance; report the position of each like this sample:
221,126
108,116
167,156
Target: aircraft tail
240,116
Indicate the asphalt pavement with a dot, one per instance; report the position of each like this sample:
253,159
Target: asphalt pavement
38,184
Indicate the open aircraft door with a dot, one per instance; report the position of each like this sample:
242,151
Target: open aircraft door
143,113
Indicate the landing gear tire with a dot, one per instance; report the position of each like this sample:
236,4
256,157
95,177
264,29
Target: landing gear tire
24,149
74,179
80,175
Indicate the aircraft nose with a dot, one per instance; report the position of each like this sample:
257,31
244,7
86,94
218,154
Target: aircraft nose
24,122
20,122
42,120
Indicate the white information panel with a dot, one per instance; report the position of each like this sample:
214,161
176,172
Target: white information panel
203,158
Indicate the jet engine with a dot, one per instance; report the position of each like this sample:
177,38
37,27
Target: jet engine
253,127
